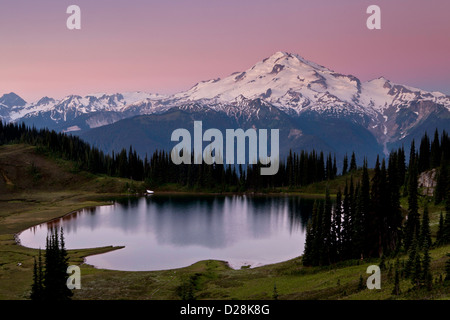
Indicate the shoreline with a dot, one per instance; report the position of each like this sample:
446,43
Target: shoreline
164,193
204,193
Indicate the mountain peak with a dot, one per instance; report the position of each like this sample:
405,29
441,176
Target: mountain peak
12,100
292,60
45,100
273,78
279,55
381,79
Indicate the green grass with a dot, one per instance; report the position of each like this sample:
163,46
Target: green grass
214,280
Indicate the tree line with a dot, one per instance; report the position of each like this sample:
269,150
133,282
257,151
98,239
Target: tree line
366,220
298,169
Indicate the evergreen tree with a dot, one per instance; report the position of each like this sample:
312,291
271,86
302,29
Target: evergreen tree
435,152
416,274
326,229
401,166
312,243
275,292
63,264
51,252
382,264
412,154
394,215
440,232
37,289
424,154
318,240
364,229
345,165
361,283
329,168
337,227
446,229
334,167
425,235
375,221
353,166
55,276
396,291
442,183
347,231
427,278
447,269
413,215
308,254
413,253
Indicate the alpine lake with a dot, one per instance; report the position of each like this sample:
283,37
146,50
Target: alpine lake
161,232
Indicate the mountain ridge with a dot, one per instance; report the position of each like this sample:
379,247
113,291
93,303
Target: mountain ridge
306,92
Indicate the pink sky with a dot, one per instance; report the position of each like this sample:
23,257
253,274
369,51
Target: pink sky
168,46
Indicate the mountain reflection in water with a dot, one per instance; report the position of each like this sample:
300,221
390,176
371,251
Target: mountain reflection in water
172,231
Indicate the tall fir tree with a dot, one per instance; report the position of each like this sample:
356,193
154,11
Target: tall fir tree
447,268
442,183
318,234
424,154
37,289
425,234
435,151
413,216
412,254
401,165
326,229
345,165
427,277
416,274
347,229
394,215
353,165
377,213
364,224
440,232
396,291
56,263
308,254
337,227
446,229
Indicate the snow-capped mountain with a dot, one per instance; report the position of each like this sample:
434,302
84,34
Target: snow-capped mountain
297,86
294,84
9,101
73,113
314,105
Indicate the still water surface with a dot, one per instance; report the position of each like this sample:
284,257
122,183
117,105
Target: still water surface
166,231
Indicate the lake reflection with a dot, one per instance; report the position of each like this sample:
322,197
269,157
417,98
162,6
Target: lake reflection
165,232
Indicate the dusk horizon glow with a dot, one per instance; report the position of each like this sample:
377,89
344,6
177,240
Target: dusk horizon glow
160,47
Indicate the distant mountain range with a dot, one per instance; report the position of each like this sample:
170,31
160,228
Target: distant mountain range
313,106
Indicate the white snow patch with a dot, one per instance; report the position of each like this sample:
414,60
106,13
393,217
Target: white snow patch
72,128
